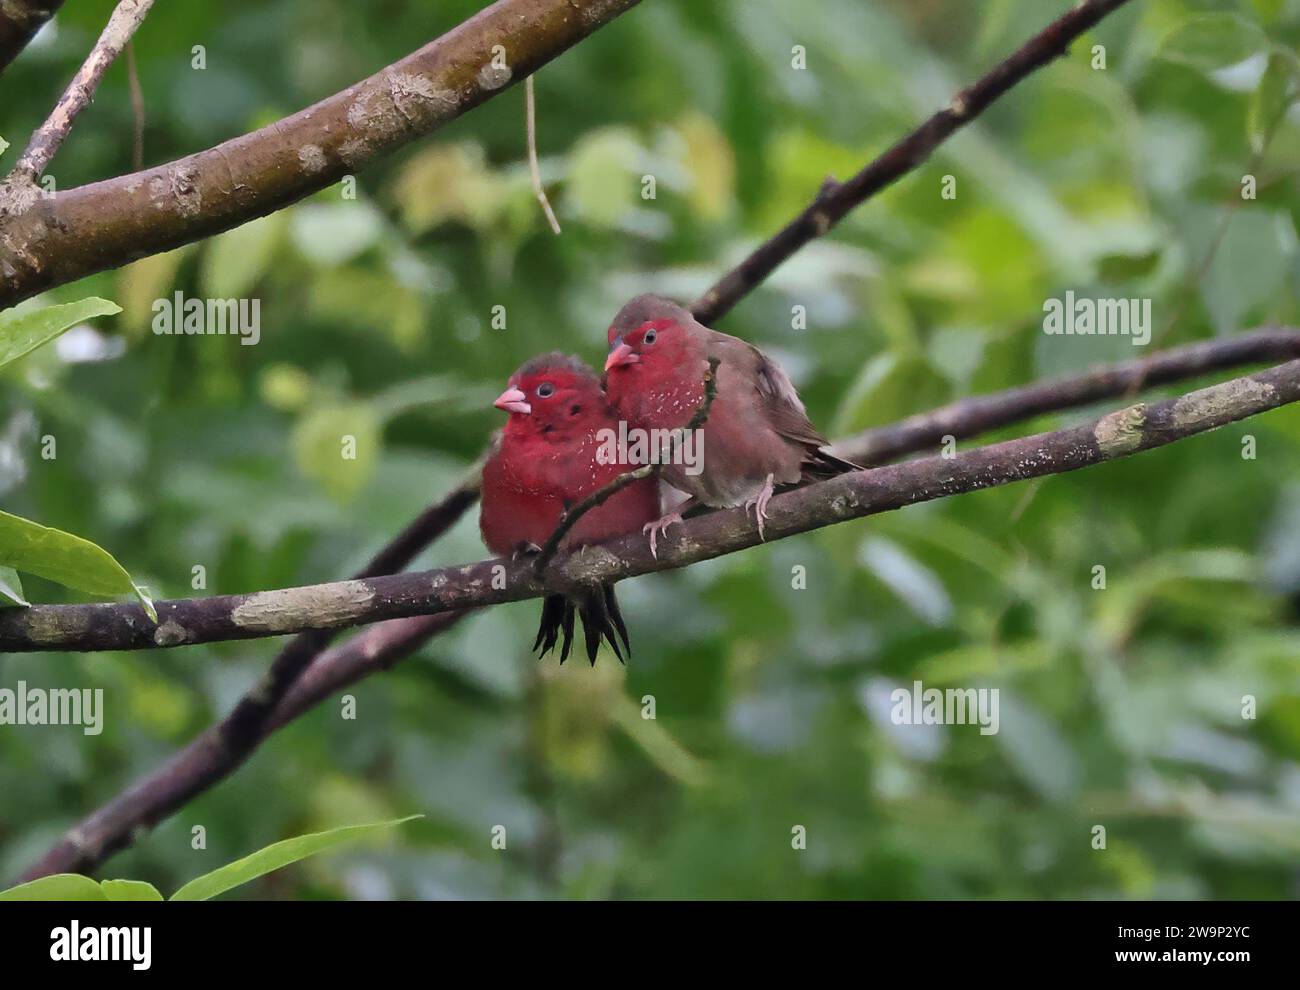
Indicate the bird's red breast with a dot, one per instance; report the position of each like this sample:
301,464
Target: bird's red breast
549,458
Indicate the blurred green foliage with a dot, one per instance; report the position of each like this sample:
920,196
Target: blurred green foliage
278,855
1120,707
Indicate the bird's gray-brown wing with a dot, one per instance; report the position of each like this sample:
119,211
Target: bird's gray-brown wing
779,404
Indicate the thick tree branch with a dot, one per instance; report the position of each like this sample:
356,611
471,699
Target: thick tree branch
837,198
51,240
127,16
490,582
19,22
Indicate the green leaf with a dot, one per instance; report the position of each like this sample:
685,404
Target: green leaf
59,887
964,664
130,890
286,387
275,856
1252,265
331,233
66,559
1213,41
1271,99
446,393
712,165
23,331
235,260
1036,750
142,283
602,186
11,587
1171,579
338,446
889,387
449,182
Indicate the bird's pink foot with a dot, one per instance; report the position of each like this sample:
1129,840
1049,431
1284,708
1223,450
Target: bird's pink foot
759,502
660,528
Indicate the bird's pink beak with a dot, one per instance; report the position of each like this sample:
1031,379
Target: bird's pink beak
513,400
620,355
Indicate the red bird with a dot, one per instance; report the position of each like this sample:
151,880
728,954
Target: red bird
757,434
546,461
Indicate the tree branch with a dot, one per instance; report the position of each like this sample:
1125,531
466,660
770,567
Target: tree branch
489,582
19,22
47,241
127,16
981,413
835,200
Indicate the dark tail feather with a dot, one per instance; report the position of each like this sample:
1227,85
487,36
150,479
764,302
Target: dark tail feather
601,619
597,623
615,613
548,629
821,464
592,631
568,630
556,626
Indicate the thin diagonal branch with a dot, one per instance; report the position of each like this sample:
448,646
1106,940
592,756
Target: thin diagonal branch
535,170
835,200
19,22
981,413
126,17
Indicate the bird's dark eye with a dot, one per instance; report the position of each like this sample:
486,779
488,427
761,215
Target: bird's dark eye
545,390
651,336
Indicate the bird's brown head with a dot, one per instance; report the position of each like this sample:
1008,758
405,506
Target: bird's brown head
552,396
649,336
